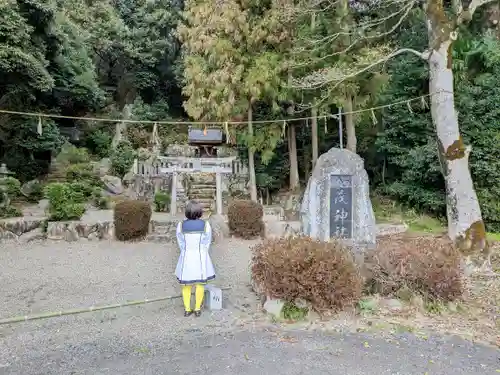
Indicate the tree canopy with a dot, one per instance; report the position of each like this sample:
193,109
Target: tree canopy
216,60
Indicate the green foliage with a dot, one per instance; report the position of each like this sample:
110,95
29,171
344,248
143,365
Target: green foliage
162,201
98,200
131,220
65,201
9,189
411,171
98,141
122,159
82,178
11,186
71,154
245,64
25,152
104,58
140,134
82,172
81,191
76,58
10,211
330,53
292,312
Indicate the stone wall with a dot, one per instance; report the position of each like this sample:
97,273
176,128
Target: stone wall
26,230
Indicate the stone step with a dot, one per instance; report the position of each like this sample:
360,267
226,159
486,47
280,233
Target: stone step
202,187
206,203
203,177
205,190
198,196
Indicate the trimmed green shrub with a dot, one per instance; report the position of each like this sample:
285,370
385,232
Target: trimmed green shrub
71,154
429,266
132,219
82,191
321,273
65,203
162,201
83,172
245,219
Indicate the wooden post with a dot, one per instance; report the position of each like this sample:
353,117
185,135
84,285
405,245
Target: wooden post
218,192
251,156
314,135
173,197
341,129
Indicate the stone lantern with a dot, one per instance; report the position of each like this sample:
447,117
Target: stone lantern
4,172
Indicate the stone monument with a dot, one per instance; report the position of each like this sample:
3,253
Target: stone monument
337,204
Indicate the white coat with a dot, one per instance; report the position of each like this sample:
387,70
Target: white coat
194,266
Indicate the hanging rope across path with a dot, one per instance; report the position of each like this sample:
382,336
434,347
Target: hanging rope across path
100,119
25,318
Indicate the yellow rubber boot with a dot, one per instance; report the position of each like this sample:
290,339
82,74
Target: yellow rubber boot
186,298
199,294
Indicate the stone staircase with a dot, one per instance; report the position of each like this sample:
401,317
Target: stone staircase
203,189
56,173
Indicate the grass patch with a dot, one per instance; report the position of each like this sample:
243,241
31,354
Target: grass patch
494,237
388,211
295,313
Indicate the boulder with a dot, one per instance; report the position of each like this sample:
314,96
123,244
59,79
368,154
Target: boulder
103,166
30,188
113,184
337,204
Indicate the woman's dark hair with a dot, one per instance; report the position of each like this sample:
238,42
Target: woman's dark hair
194,210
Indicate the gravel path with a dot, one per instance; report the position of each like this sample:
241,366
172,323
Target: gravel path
156,338
53,276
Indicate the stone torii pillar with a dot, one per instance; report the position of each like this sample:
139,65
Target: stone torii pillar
173,196
218,191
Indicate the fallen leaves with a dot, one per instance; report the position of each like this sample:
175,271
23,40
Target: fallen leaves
289,339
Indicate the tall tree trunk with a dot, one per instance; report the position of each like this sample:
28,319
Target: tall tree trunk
350,126
465,223
292,152
314,135
251,156
314,113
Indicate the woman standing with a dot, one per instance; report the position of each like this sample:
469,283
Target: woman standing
194,267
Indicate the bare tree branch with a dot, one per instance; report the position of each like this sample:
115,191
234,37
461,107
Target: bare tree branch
323,77
474,4
465,13
363,27
405,10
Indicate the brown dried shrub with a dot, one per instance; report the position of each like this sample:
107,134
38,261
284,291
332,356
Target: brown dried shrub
322,273
131,219
430,266
245,219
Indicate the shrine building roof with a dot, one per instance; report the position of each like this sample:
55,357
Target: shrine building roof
212,136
